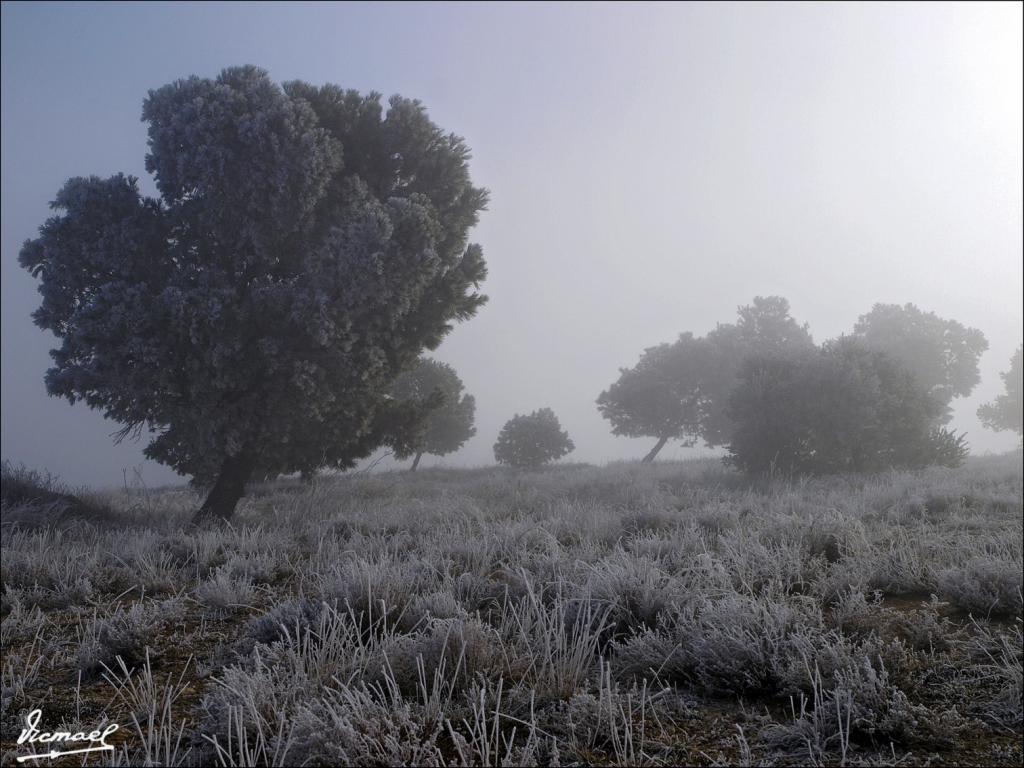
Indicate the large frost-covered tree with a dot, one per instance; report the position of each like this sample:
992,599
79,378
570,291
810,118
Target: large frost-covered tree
306,246
446,423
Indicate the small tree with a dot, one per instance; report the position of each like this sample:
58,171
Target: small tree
529,442
305,248
662,396
447,420
1007,410
843,408
942,354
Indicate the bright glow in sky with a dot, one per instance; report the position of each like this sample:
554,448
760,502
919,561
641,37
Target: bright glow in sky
651,168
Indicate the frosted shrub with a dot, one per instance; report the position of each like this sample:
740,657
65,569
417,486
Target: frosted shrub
984,586
224,593
638,590
496,725
125,634
20,622
478,593
650,654
621,724
38,562
293,617
256,568
251,703
360,725
671,549
368,587
996,662
735,643
553,648
902,567
653,520
760,567
457,649
434,605
858,704
882,710
922,628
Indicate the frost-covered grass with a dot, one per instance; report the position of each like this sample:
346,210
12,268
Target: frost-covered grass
666,614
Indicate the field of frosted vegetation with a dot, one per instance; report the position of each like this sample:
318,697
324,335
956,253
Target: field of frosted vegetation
676,613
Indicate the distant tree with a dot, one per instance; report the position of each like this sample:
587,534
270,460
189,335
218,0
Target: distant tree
305,247
942,354
766,326
528,442
447,421
662,396
764,329
1007,410
842,408
681,390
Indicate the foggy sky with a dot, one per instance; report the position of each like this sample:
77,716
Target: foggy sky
651,168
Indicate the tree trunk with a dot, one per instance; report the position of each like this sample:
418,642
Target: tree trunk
230,487
416,461
654,451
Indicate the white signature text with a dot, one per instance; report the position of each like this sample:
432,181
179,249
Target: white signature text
31,734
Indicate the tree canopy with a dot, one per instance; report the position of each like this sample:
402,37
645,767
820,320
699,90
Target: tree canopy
763,328
663,396
841,408
942,354
1006,412
447,414
306,246
529,442
681,390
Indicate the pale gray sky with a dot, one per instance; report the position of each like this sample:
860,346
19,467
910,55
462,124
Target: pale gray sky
651,168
